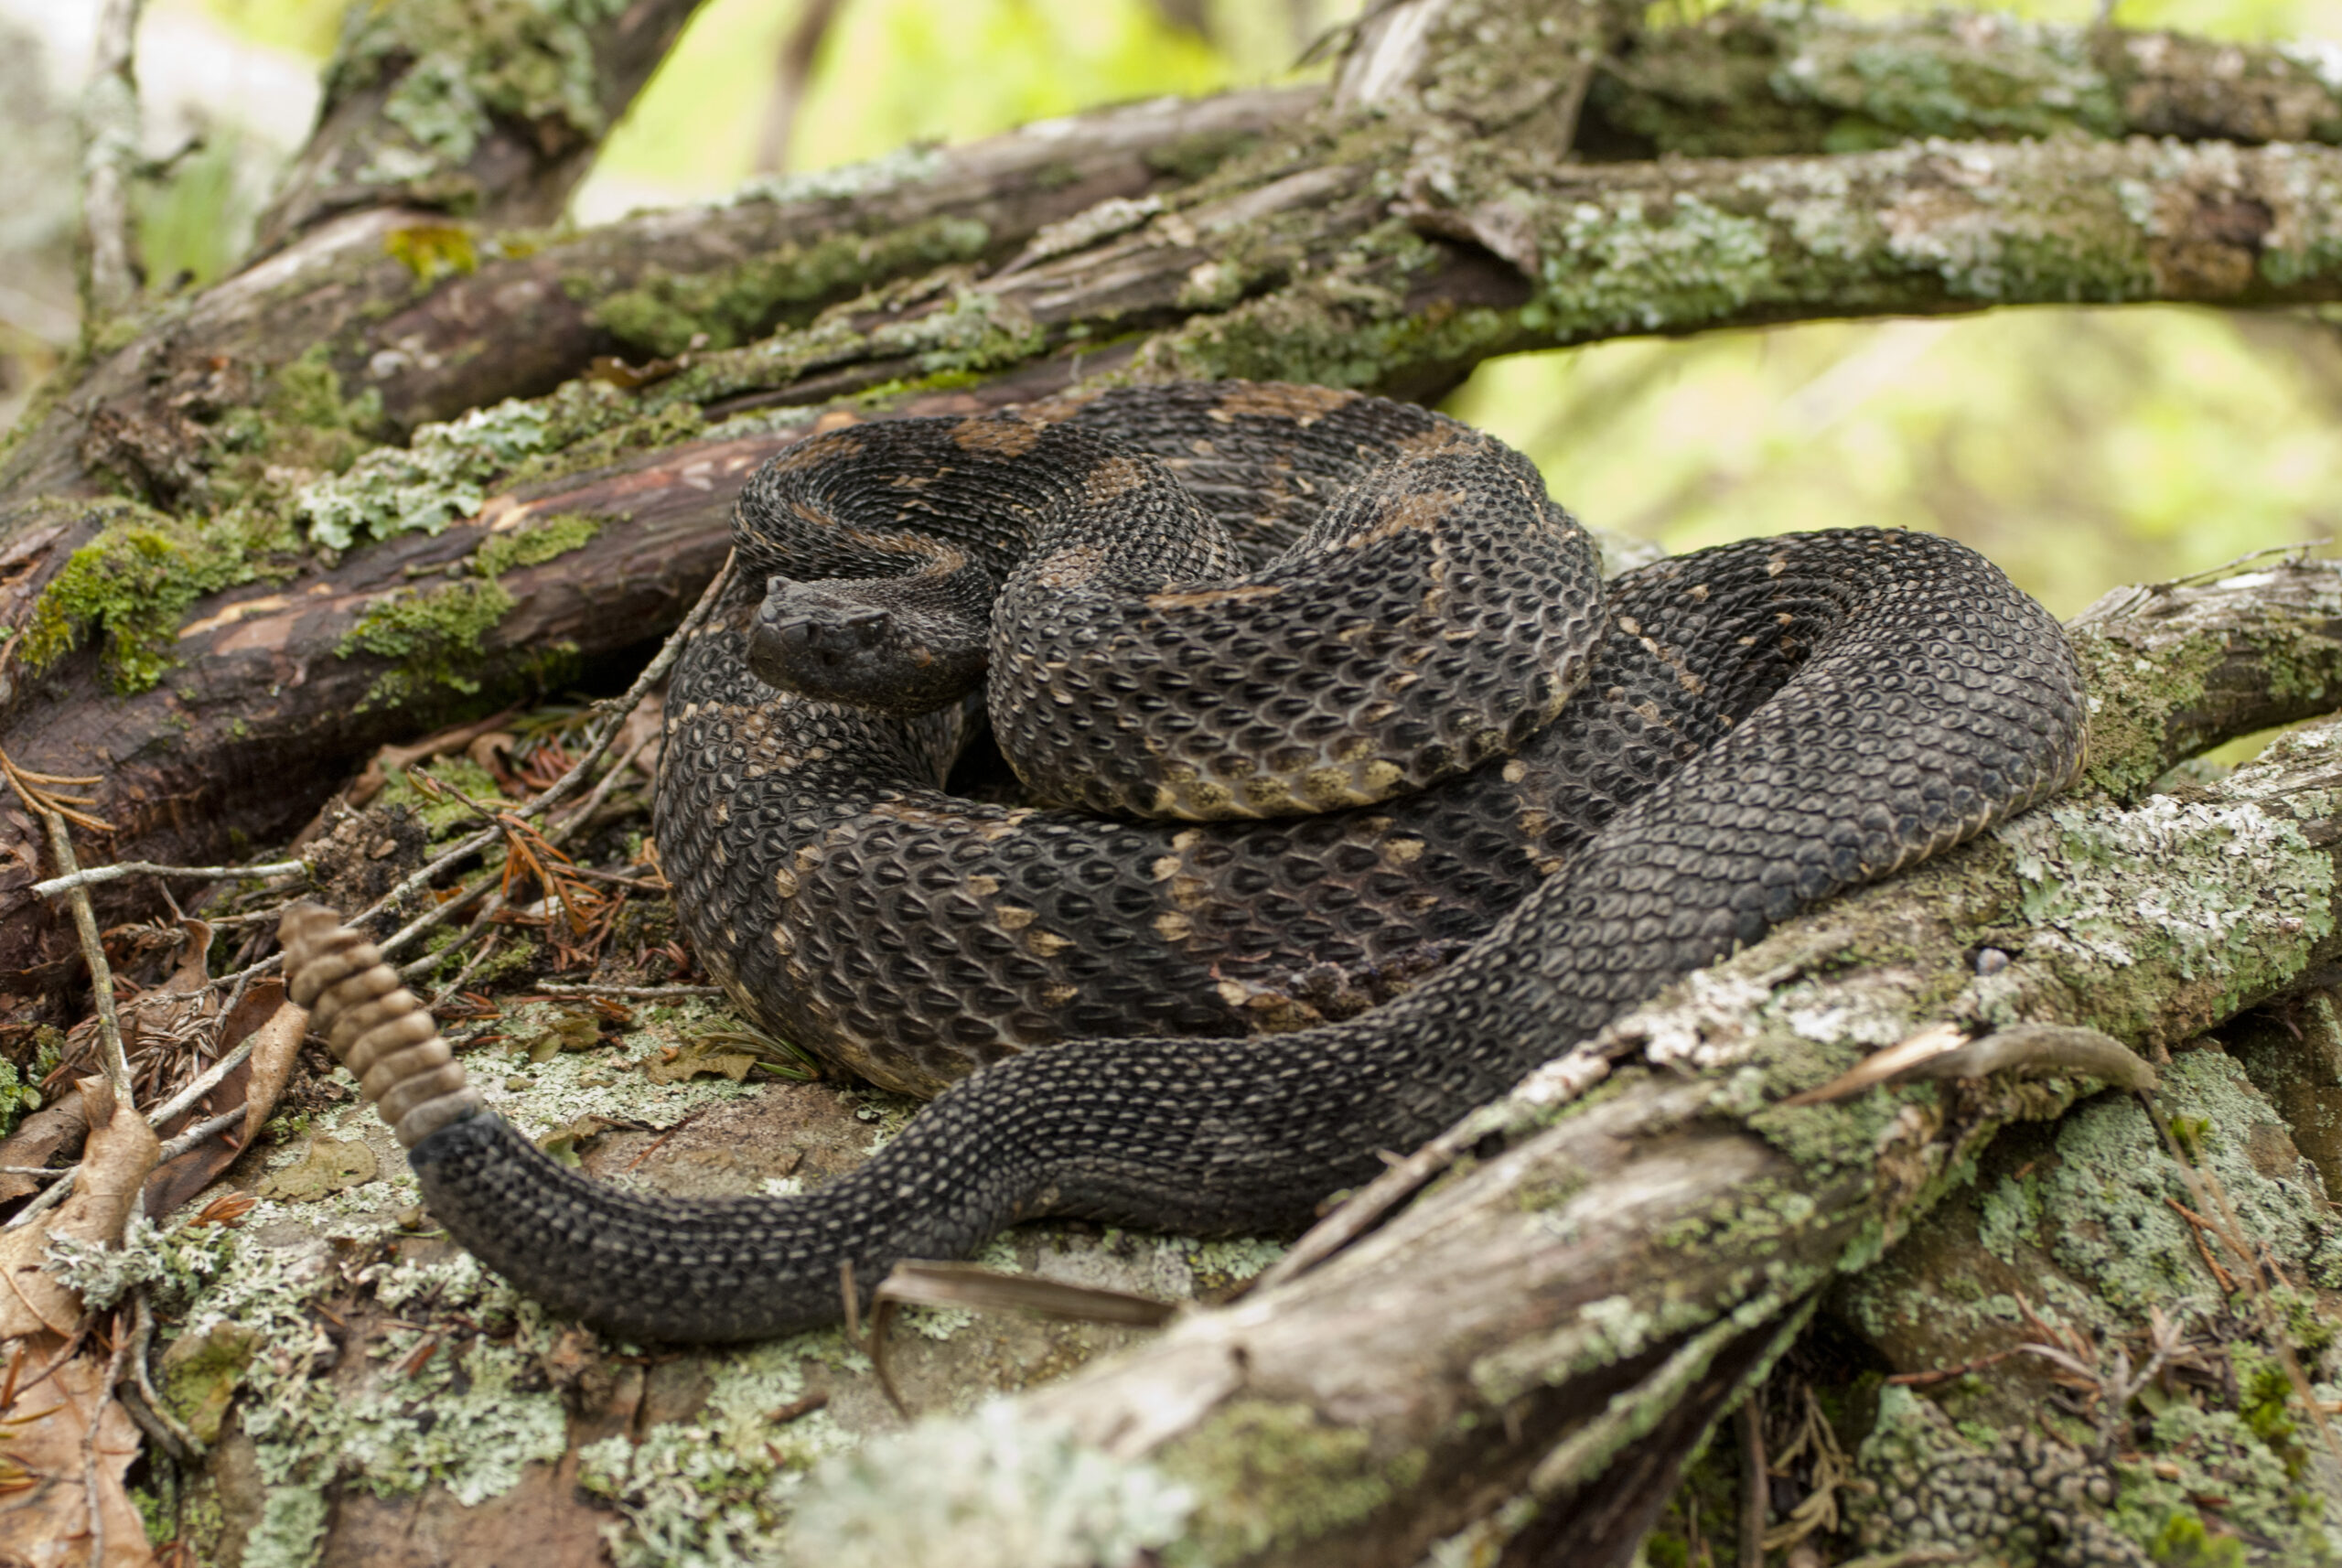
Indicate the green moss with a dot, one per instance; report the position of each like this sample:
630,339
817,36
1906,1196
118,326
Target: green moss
17,1098
453,67
535,543
201,1373
1274,1476
434,637
433,250
667,315
441,474
1753,83
133,583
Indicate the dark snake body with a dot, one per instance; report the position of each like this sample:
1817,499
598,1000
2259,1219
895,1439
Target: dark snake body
1760,726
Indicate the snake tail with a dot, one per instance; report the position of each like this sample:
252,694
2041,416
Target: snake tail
376,1027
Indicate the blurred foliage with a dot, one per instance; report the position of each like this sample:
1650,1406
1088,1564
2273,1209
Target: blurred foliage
2077,449
2080,448
193,224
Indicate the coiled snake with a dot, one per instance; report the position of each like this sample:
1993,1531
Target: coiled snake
1216,602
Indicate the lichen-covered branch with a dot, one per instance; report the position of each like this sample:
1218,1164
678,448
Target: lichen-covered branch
109,160
1751,83
488,112
1517,1364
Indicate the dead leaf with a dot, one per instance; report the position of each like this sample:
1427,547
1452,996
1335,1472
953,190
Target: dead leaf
45,1519
176,1180
329,1165
276,1048
200,1374
563,1140
114,1162
696,1059
38,1136
567,1031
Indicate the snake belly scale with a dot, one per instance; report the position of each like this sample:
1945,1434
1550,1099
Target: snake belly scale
1195,1021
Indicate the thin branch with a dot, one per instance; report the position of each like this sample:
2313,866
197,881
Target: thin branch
93,948
120,869
109,156
629,992
98,1400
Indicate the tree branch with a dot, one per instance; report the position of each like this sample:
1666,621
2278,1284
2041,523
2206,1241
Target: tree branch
109,155
487,112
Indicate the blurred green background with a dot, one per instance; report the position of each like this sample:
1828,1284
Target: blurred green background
2079,448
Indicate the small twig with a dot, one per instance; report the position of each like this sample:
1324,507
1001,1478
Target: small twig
57,1191
43,1172
121,868
463,976
797,1410
631,992
638,883
90,1444
202,1131
660,1141
48,1367
1945,1374
1756,1501
445,912
2197,1226
141,1337
93,950
37,790
560,834
209,1079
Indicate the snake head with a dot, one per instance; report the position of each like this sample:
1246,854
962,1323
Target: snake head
839,642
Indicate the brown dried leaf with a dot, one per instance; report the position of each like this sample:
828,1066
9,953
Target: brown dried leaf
329,1165
696,1059
114,1162
45,1519
276,1048
39,1136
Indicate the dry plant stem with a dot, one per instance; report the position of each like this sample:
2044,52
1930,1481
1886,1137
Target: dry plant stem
120,869
631,992
141,1338
109,153
61,1189
90,1444
561,832
448,912
455,987
200,1132
2210,1193
94,951
1753,1489
202,1085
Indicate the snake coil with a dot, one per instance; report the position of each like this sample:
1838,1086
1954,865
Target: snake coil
1196,1021
376,1027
